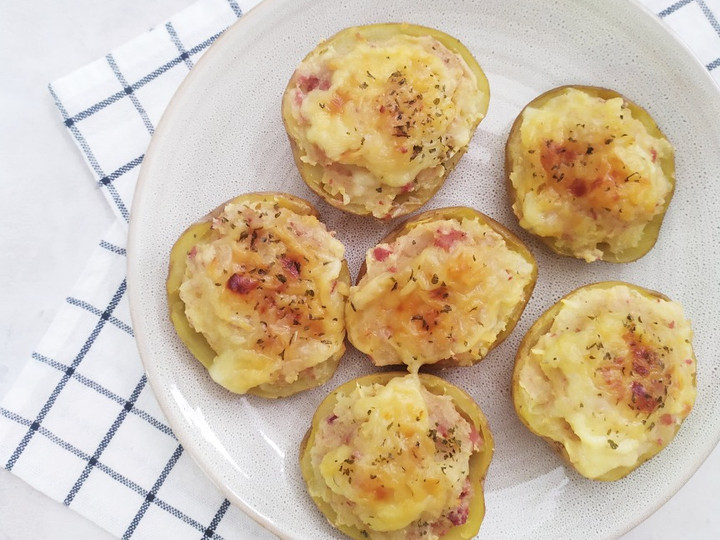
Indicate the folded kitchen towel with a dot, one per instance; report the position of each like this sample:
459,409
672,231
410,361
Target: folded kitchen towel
111,106
80,423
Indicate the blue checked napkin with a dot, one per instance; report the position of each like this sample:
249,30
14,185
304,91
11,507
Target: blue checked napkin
81,424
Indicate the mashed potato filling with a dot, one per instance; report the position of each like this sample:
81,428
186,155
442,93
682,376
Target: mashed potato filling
382,117
264,292
394,460
446,289
588,174
611,379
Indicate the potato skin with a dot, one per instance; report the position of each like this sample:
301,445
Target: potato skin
195,341
513,151
511,240
466,406
455,212
529,341
404,203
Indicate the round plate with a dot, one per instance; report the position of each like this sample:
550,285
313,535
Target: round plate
222,135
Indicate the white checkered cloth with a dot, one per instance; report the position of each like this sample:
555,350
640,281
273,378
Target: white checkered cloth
81,424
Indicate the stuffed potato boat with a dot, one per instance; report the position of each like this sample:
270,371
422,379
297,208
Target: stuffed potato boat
257,292
397,456
590,173
444,289
378,115
606,376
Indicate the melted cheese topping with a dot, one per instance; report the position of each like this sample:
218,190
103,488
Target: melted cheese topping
394,460
611,380
444,290
588,173
382,117
265,294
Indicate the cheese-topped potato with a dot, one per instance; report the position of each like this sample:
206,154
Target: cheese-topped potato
394,456
378,115
590,173
444,289
257,292
607,375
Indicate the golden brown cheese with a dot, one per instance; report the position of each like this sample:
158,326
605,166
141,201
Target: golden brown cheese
608,375
393,460
447,289
264,289
588,173
382,112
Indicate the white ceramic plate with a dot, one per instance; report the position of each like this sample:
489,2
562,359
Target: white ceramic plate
222,135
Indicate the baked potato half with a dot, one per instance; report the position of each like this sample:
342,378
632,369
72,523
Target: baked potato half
396,456
444,288
256,291
378,115
606,376
590,173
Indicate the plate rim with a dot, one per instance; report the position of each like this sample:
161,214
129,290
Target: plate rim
174,417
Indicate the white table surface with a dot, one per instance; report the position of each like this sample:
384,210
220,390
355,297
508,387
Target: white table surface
54,215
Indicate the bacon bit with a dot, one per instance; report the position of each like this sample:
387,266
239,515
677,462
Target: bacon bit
382,110
381,253
298,97
647,389
642,399
653,154
407,187
458,516
644,357
659,441
308,83
637,389
666,419
445,240
403,150
578,188
193,251
291,266
688,361
241,284
331,418
640,369
672,324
